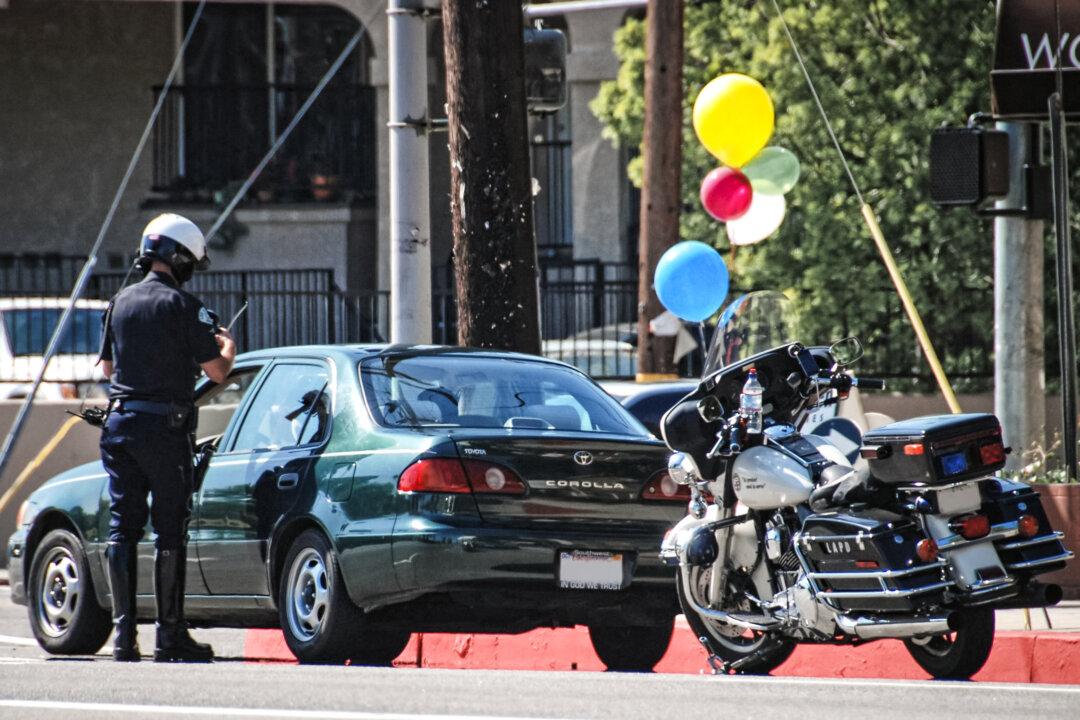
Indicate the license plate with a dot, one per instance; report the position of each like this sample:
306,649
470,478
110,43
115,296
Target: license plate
590,570
958,499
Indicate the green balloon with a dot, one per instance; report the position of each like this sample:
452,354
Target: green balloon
773,171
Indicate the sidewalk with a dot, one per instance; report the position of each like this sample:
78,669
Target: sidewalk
1064,617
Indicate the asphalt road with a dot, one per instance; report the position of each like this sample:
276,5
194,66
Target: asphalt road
34,685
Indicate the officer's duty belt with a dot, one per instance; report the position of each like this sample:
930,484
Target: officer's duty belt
177,415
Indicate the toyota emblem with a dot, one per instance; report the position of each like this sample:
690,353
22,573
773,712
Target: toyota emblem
583,457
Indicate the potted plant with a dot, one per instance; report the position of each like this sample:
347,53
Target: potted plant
325,184
1061,501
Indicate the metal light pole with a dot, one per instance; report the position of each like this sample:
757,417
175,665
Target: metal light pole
1019,377
410,224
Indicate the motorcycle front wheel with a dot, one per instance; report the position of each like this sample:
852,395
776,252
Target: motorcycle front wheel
760,652
960,654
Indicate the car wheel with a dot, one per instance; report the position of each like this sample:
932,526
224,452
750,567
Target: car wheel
320,621
631,648
64,613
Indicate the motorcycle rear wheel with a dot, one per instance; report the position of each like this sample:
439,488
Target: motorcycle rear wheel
957,655
763,652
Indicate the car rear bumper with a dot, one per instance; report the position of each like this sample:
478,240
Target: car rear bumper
16,550
428,553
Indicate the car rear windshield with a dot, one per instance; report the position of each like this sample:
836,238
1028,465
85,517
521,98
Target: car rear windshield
29,330
484,392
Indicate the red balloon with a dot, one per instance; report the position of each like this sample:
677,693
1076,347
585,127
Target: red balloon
726,194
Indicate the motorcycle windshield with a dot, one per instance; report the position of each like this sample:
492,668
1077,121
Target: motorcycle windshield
752,323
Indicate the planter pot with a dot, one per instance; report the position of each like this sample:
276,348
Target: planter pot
324,188
1062,506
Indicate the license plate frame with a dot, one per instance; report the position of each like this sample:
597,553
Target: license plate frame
590,570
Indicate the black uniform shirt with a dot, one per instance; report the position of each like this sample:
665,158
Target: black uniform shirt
157,336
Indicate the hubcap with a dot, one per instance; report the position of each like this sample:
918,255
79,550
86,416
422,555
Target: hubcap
60,591
308,595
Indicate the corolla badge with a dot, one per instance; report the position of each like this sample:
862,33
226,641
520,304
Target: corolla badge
583,457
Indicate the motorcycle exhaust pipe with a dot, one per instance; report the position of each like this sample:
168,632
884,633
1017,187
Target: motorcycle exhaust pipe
1035,595
869,628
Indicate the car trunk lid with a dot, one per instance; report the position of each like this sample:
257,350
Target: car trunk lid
591,481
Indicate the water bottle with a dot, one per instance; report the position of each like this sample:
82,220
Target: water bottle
750,404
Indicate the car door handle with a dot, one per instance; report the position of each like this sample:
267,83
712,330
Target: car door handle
287,481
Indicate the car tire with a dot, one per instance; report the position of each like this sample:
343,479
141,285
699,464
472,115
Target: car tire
321,623
65,616
631,648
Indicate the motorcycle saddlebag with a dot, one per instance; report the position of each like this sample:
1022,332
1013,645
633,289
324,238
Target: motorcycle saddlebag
935,450
866,560
1005,501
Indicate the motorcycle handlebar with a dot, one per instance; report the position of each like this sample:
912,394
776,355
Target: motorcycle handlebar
868,383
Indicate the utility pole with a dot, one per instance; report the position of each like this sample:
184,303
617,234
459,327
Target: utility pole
410,224
662,176
1019,375
490,180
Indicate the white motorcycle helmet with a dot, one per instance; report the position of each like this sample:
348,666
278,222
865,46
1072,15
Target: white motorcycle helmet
177,242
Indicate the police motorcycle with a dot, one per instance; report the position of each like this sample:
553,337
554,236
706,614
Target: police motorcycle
787,541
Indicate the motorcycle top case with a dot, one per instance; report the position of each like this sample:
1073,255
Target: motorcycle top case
935,450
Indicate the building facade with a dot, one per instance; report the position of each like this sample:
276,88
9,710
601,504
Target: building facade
79,79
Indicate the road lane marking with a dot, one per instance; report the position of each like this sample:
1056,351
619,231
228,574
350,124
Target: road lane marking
14,640
238,712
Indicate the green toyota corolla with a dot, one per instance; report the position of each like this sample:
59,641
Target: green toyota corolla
354,495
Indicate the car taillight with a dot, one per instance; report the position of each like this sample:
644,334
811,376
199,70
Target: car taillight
663,489
487,478
450,475
971,527
438,475
20,515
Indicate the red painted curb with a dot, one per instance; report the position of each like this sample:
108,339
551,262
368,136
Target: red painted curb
1017,657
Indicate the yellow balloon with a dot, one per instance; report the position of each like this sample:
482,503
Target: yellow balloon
733,118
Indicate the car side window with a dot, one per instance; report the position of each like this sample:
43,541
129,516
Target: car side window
219,403
292,408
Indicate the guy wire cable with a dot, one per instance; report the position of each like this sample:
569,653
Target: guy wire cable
91,259
879,238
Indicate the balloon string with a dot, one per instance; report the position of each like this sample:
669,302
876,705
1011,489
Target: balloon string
817,101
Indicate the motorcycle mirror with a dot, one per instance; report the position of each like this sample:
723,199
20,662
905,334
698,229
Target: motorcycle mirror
846,351
682,469
710,409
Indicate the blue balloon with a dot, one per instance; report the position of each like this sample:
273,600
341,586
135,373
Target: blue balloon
691,280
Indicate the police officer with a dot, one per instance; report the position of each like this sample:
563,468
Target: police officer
156,339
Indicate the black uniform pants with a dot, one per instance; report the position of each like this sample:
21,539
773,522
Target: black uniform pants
144,456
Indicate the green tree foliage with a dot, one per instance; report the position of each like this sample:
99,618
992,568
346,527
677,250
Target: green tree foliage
888,73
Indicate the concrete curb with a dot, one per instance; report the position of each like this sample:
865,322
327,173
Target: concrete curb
1017,657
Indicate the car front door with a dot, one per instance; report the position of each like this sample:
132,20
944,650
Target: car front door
261,475
216,406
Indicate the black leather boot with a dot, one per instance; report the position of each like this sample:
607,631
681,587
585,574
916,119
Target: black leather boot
174,644
122,561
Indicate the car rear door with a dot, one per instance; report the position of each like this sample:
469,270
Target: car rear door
264,472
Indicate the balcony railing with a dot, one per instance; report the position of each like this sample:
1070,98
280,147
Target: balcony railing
209,138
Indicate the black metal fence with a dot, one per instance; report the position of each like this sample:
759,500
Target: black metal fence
209,137
588,316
